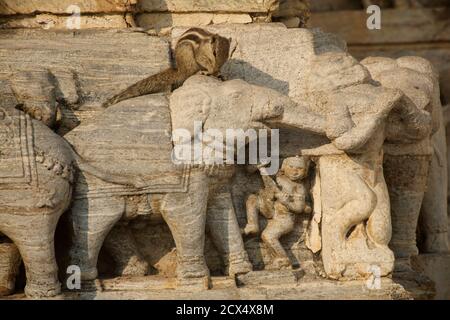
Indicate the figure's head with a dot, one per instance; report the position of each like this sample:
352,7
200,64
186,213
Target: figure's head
295,168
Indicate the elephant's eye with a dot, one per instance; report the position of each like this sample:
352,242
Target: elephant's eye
236,95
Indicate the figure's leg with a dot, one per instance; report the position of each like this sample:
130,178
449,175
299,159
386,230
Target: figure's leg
121,245
347,202
92,220
252,210
379,226
185,213
9,267
271,235
33,234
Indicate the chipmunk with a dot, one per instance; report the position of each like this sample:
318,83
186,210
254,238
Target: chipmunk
197,51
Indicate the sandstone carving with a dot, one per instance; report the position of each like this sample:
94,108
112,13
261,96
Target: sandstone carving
279,202
405,159
33,151
97,207
355,164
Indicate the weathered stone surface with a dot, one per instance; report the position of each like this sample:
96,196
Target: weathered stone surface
343,117
267,278
92,64
8,7
51,21
162,289
160,21
208,5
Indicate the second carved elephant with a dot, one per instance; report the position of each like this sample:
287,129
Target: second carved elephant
128,151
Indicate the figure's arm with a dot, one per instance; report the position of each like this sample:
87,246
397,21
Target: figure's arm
285,183
358,136
269,183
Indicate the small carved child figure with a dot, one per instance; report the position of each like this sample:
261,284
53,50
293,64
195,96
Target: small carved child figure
278,202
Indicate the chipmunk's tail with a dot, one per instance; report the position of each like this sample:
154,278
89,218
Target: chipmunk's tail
156,83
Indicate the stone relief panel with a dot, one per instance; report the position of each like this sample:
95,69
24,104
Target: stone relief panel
336,209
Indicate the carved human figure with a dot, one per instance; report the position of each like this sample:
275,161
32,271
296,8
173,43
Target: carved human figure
279,202
407,161
353,196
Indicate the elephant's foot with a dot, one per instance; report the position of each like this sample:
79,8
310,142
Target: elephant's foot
88,269
238,263
192,273
192,267
402,265
136,266
42,290
88,273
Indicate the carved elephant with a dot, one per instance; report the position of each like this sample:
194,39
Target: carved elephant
36,175
127,153
406,158
35,189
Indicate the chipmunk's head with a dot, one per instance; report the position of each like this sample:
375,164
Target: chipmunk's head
296,168
211,50
221,46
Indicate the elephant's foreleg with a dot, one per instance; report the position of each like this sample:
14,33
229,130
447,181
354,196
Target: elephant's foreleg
33,234
185,213
92,220
406,177
225,232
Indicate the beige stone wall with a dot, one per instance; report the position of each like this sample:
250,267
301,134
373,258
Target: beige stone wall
148,14
155,15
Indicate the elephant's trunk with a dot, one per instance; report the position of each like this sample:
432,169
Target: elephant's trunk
299,117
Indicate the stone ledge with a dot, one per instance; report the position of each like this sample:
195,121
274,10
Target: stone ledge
245,6
160,21
58,22
12,7
157,288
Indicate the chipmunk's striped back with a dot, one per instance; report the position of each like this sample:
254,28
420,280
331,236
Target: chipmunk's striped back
197,51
